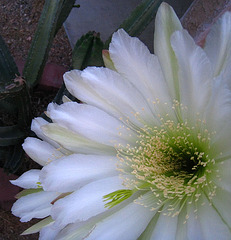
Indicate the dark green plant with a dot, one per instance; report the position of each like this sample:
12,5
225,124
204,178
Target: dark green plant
139,19
52,17
14,90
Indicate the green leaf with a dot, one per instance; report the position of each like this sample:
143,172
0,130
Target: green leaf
8,105
67,6
24,109
95,57
15,157
53,15
11,135
19,101
139,18
81,49
10,82
8,68
88,51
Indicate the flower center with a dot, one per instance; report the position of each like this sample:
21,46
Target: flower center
171,151
171,161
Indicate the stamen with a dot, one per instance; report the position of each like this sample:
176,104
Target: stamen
173,159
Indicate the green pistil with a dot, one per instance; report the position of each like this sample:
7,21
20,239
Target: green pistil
123,194
117,197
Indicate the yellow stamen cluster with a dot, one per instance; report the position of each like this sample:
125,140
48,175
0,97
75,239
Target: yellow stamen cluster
172,159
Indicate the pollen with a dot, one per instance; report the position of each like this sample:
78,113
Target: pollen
172,161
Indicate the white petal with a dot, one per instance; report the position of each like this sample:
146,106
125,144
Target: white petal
225,156
81,230
227,72
213,226
221,203
194,73
181,232
166,24
74,142
84,203
218,45
48,233
91,123
222,175
72,172
220,142
36,125
194,231
218,112
51,106
136,64
71,79
126,224
147,233
28,179
35,205
105,89
165,228
75,231
40,151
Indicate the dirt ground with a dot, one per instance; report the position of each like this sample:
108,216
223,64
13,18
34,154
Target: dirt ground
18,21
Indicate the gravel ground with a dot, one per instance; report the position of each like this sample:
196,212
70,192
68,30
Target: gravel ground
18,21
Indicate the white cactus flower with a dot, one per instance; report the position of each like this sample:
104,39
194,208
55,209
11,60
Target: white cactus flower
147,155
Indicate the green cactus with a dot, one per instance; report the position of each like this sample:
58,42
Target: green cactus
141,17
14,93
88,51
14,100
53,15
8,68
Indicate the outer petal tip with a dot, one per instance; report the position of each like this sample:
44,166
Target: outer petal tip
107,60
166,24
